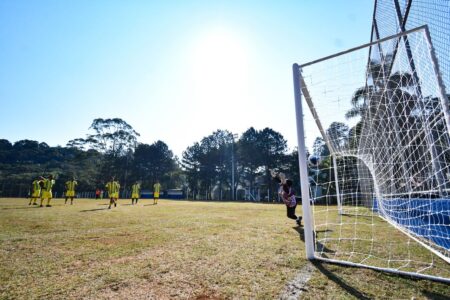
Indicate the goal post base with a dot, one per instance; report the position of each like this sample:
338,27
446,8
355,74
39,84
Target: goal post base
386,270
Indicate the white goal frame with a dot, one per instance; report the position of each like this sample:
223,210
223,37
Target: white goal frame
300,91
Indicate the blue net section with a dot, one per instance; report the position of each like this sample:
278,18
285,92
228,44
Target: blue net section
427,219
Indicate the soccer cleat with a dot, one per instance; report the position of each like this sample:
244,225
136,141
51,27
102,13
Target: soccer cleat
41,205
109,207
48,205
299,221
35,204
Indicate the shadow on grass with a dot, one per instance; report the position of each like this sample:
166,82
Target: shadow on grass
28,207
368,217
95,209
431,295
336,279
318,245
148,204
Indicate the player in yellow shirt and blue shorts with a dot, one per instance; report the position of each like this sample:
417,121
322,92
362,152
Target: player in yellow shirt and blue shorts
135,192
113,191
46,192
70,190
156,189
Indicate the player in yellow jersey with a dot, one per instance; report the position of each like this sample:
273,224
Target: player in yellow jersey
156,189
46,192
135,192
113,191
70,190
35,191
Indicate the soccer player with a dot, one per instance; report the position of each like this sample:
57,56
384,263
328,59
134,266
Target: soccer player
113,191
135,192
287,194
35,192
156,189
46,193
288,197
70,190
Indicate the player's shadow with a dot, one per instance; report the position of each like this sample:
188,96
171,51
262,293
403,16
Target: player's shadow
28,207
433,295
368,217
319,246
321,267
94,209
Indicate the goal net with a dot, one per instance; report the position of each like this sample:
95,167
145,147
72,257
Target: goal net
379,182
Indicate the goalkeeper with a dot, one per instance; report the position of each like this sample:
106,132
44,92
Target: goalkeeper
70,190
135,192
35,191
47,185
113,191
287,194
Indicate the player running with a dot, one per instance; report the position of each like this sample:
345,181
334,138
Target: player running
35,191
70,190
113,191
46,193
156,189
135,192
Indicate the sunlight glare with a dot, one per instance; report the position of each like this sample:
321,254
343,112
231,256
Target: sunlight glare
220,67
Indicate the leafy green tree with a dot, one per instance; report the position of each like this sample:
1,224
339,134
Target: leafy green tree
208,163
5,151
116,140
191,165
259,152
155,162
114,137
249,156
320,148
338,135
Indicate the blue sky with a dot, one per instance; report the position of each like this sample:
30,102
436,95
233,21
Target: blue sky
174,70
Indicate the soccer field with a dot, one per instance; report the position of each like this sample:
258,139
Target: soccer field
176,249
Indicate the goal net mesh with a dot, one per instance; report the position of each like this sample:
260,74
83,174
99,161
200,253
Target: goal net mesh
380,182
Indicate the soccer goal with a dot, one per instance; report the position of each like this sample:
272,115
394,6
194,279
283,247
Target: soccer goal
380,189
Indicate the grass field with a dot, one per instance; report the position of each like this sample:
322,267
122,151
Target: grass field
173,250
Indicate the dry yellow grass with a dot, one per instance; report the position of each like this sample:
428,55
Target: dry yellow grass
176,249
173,250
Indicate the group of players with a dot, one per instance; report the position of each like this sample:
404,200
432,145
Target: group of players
41,188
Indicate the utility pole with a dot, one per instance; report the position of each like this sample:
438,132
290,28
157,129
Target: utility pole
235,135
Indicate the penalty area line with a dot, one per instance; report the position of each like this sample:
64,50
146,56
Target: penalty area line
297,285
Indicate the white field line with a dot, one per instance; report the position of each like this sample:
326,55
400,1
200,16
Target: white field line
297,285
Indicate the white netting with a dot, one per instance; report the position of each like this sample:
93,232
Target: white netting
383,121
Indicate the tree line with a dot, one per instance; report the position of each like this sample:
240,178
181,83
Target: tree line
111,148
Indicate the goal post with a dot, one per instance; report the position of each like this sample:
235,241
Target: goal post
381,195
307,215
